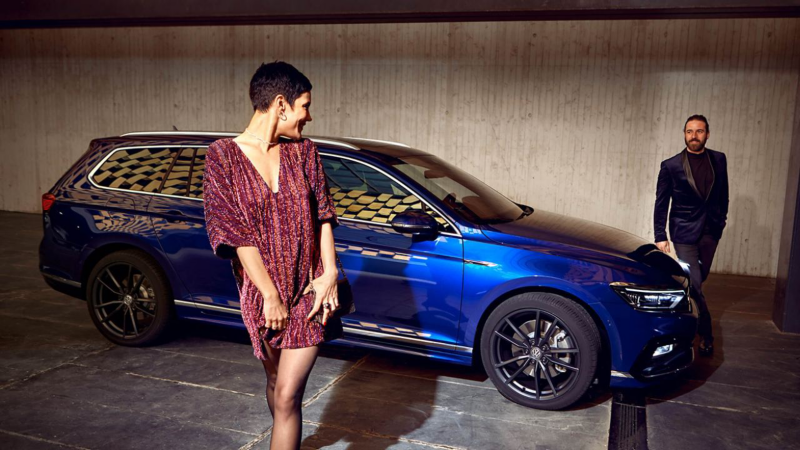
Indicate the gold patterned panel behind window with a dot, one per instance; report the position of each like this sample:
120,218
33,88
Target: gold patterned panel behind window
135,169
380,209
178,178
196,188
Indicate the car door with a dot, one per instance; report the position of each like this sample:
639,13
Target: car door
177,217
406,290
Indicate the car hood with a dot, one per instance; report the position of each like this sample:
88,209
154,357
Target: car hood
560,234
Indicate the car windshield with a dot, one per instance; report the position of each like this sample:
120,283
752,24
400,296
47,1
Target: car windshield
466,195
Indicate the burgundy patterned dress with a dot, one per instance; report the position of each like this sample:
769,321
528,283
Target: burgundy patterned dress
241,210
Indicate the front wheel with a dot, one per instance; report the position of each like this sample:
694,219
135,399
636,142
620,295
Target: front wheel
129,299
540,350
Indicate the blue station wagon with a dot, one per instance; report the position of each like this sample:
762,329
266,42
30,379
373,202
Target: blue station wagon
441,266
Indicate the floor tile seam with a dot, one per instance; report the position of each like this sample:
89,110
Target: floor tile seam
167,380
719,408
40,319
20,276
384,436
257,440
736,311
334,381
152,414
739,386
38,439
478,416
172,352
41,372
435,380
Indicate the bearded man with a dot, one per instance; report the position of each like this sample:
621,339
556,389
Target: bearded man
696,182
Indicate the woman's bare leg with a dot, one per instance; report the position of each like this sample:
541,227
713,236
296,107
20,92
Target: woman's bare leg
293,371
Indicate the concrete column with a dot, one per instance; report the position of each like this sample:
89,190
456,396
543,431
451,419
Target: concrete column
786,308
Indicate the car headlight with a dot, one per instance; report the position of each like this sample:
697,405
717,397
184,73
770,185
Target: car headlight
652,299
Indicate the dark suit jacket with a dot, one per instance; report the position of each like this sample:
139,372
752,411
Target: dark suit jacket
690,212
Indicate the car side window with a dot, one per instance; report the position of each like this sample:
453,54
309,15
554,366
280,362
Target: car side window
198,169
361,192
140,169
178,177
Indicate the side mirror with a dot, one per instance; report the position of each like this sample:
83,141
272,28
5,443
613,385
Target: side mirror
415,223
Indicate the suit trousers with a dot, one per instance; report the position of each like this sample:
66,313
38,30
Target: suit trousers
699,256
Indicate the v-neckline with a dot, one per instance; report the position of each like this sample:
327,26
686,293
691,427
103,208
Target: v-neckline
253,166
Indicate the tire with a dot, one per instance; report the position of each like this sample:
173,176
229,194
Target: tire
125,319
519,358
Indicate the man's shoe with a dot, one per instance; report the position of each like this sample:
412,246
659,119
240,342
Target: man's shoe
706,347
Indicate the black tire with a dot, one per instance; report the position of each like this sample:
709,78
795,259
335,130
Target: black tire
524,370
123,318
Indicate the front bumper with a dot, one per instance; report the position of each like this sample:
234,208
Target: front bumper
656,331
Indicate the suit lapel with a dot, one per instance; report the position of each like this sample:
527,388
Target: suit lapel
713,173
688,169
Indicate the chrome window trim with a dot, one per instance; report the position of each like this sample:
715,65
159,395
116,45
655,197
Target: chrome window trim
136,147
322,153
348,329
444,216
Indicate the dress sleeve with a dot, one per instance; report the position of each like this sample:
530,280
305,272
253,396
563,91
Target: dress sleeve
226,225
326,209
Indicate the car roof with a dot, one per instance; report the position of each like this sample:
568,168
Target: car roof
379,149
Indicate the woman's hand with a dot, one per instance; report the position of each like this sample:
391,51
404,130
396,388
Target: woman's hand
275,314
325,296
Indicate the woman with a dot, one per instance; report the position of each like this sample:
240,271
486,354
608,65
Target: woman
268,209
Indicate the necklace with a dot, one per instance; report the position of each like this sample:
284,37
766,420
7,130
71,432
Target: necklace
263,141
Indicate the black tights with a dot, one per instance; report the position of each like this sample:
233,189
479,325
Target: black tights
287,374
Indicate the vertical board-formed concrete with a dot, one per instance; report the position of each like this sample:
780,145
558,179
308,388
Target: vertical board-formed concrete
572,117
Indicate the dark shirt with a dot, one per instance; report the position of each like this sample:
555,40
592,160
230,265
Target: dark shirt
702,173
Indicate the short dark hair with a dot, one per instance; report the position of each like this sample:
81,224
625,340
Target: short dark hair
699,117
276,78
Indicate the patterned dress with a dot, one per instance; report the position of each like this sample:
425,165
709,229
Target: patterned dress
241,210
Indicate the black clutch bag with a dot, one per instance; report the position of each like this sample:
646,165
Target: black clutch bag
344,293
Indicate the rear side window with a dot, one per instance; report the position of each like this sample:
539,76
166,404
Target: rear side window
199,168
169,171
140,169
186,176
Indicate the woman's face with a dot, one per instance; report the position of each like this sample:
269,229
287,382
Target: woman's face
296,117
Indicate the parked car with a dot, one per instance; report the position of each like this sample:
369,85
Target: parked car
441,266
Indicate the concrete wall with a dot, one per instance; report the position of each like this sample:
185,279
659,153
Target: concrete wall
573,117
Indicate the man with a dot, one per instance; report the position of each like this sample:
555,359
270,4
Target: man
696,180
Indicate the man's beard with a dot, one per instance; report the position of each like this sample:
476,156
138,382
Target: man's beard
696,145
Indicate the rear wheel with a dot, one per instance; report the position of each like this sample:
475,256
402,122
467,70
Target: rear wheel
129,298
540,350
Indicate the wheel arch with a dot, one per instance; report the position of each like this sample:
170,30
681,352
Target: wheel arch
106,249
604,360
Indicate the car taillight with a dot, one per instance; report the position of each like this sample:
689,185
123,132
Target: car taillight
47,201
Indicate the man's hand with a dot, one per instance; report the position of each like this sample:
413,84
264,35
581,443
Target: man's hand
663,246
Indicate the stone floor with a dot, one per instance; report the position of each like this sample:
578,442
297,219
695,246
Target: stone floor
64,386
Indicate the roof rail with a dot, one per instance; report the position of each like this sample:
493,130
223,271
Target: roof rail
319,140
378,141
180,133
